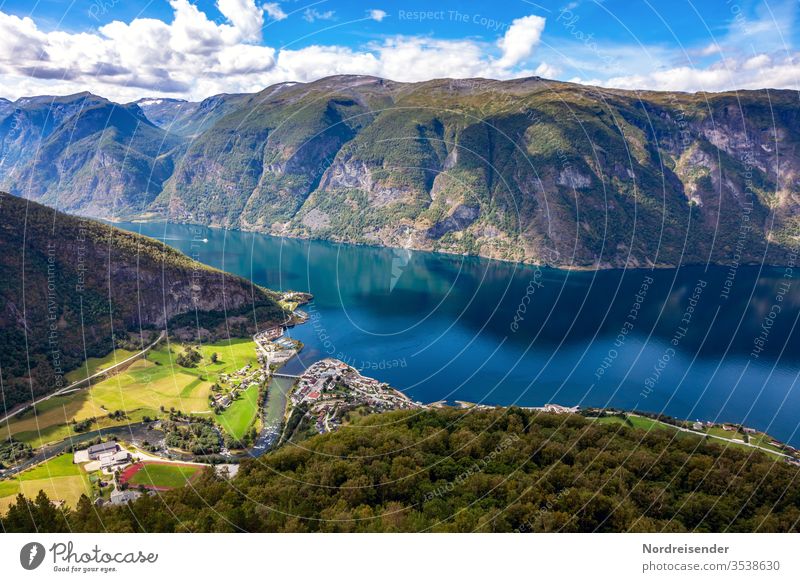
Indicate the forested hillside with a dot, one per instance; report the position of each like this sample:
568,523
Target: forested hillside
70,288
452,470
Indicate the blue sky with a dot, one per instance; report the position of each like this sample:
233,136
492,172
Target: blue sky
126,49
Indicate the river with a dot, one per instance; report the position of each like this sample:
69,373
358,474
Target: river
699,343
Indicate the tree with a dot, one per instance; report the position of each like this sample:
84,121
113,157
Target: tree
214,357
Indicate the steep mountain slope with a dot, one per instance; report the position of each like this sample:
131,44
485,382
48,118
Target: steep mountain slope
528,169
187,118
69,286
85,154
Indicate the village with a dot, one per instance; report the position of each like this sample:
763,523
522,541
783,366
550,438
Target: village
329,388
229,385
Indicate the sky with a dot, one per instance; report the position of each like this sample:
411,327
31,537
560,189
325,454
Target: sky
128,49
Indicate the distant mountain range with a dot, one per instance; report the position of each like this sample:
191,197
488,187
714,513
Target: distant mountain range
529,169
72,288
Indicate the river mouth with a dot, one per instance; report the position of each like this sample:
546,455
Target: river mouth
712,343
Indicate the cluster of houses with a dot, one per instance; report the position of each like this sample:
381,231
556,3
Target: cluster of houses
558,409
239,380
269,334
330,387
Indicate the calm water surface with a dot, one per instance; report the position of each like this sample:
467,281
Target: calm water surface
696,343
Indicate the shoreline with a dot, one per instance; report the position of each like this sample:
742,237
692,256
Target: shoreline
522,263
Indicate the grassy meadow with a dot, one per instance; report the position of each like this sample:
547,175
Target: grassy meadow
143,389
163,476
58,477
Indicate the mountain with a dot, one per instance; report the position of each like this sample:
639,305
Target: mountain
72,287
451,470
188,118
85,154
528,169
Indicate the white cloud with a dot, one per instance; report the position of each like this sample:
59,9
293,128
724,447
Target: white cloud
312,14
274,11
193,56
245,16
377,15
520,40
757,72
757,62
708,50
547,71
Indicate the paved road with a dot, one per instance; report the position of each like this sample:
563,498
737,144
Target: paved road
136,433
87,380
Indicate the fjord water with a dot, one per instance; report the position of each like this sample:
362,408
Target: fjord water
697,343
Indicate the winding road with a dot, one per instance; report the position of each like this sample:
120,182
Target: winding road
77,384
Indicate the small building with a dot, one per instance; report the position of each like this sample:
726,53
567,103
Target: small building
697,425
122,497
95,451
223,400
110,460
272,333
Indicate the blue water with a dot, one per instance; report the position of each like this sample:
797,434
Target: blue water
442,327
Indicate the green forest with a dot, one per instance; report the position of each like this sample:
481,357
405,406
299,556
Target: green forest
448,470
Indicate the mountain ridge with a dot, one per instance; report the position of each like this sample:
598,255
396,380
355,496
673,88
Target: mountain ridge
527,169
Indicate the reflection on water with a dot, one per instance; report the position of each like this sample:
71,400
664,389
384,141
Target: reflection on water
692,342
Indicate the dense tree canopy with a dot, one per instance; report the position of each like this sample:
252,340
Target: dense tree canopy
452,470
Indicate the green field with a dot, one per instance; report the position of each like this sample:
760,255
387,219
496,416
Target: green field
238,417
163,475
142,390
632,421
94,365
58,477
